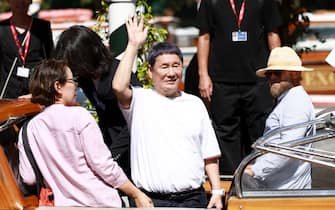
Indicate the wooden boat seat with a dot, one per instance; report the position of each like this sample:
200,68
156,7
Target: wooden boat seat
10,195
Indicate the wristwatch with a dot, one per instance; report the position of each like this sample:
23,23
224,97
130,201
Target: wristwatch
218,192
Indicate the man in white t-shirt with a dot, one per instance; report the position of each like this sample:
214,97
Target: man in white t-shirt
173,142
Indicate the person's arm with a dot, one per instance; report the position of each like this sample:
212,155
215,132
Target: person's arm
25,97
141,200
273,40
272,20
137,35
267,165
205,82
212,171
101,162
293,113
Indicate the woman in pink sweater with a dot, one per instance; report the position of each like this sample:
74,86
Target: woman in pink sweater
68,146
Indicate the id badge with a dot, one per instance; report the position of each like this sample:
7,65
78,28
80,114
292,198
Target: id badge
239,36
22,72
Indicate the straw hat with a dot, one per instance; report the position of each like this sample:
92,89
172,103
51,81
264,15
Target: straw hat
283,58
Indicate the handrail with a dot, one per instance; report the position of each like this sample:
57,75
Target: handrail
11,121
325,122
294,148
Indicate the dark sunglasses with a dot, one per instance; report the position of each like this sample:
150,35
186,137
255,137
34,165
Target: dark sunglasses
269,73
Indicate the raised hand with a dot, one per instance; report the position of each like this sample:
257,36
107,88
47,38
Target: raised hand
137,33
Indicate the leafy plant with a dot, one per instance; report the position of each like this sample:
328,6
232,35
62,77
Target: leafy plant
89,106
154,35
4,6
101,16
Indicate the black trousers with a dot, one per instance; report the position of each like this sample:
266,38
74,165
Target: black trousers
238,112
188,199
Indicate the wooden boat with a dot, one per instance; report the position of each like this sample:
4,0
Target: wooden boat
12,113
238,195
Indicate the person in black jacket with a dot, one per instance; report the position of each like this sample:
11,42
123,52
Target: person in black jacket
235,39
94,65
25,41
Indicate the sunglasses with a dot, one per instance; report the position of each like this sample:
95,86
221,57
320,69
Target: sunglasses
269,73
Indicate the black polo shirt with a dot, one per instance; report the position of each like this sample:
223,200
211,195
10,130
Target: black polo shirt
237,61
40,47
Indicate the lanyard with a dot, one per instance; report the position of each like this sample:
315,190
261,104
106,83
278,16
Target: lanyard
241,15
25,42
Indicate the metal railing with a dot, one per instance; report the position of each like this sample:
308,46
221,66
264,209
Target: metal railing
300,148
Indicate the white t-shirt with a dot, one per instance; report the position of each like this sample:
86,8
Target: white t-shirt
170,138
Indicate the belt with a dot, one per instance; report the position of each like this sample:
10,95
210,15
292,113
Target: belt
175,195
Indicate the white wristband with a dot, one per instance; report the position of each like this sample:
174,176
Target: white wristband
218,192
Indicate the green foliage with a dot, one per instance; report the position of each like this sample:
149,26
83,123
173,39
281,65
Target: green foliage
58,4
102,19
4,6
88,105
154,35
159,7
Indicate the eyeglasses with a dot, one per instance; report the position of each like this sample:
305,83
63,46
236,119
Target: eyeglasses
73,80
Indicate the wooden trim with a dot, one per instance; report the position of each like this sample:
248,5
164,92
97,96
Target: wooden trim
322,203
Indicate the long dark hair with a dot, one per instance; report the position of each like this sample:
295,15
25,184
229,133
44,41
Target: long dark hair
84,51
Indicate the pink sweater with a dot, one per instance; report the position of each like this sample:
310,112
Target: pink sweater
73,158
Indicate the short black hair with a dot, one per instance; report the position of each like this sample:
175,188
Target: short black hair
161,48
